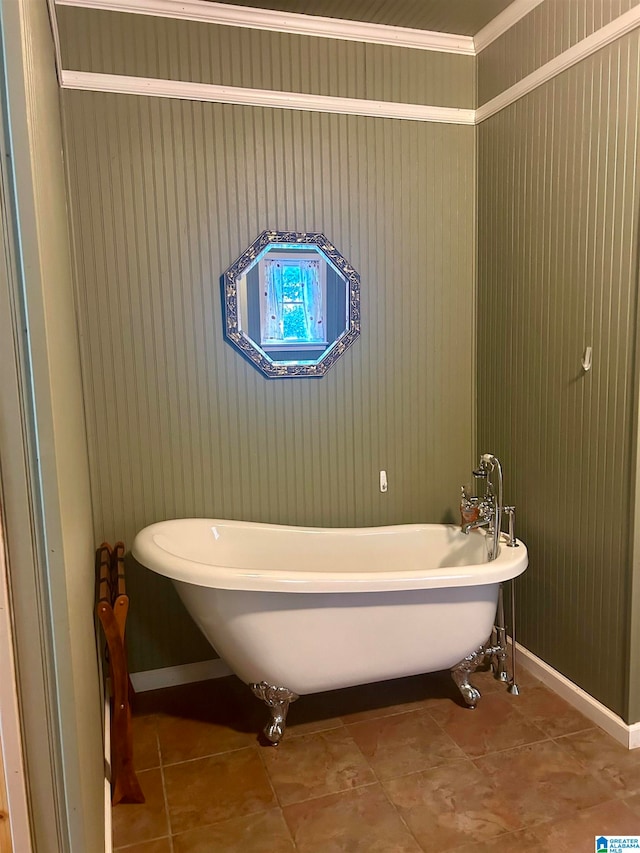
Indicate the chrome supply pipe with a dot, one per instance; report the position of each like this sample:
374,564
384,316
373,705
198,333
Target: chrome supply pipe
491,462
512,543
511,512
487,512
513,687
501,640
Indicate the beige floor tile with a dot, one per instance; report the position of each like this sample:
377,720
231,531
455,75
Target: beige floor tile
549,712
205,718
184,739
403,743
576,834
396,696
633,802
207,790
315,713
261,833
495,724
333,708
525,678
451,805
613,763
315,765
160,845
137,822
414,733
486,682
541,782
523,841
146,754
359,821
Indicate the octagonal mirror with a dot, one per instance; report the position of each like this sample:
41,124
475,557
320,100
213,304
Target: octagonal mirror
291,304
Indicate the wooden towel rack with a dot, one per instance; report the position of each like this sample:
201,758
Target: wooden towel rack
112,608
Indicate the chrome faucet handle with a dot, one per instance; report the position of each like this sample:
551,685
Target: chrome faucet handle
487,507
466,500
469,508
511,512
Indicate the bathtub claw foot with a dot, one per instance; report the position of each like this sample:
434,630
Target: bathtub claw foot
461,672
278,700
470,694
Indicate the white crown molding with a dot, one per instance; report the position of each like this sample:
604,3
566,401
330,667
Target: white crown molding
627,735
55,34
152,87
596,41
504,21
213,93
285,22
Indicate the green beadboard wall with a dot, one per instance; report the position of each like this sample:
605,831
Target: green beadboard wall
164,195
137,45
558,181
549,29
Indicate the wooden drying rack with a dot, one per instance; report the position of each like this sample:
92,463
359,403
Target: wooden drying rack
112,608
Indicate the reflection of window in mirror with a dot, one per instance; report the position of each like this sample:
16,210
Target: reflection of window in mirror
292,303
288,306
293,297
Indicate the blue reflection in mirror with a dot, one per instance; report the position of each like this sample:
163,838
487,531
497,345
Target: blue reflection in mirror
291,304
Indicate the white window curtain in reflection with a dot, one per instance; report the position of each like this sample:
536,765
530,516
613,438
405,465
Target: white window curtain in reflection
312,291
274,299
272,323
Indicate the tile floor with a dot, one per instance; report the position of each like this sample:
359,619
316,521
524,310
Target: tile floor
393,767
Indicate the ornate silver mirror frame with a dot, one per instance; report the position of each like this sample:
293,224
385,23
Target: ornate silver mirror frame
336,303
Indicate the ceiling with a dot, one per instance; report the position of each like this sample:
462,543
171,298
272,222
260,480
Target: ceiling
461,17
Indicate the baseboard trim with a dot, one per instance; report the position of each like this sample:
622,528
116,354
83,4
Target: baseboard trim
627,735
634,736
171,676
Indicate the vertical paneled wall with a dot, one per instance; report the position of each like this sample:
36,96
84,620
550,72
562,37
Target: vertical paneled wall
164,196
557,271
549,29
139,45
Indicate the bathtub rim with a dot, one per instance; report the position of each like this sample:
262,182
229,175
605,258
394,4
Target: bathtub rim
510,563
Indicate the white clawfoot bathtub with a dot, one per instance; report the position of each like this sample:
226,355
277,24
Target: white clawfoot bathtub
297,610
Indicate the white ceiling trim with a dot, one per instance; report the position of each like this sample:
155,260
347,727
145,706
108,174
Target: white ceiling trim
152,87
285,22
626,23
503,22
120,84
55,33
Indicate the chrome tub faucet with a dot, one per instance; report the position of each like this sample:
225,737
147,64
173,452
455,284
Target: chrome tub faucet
475,512
487,511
